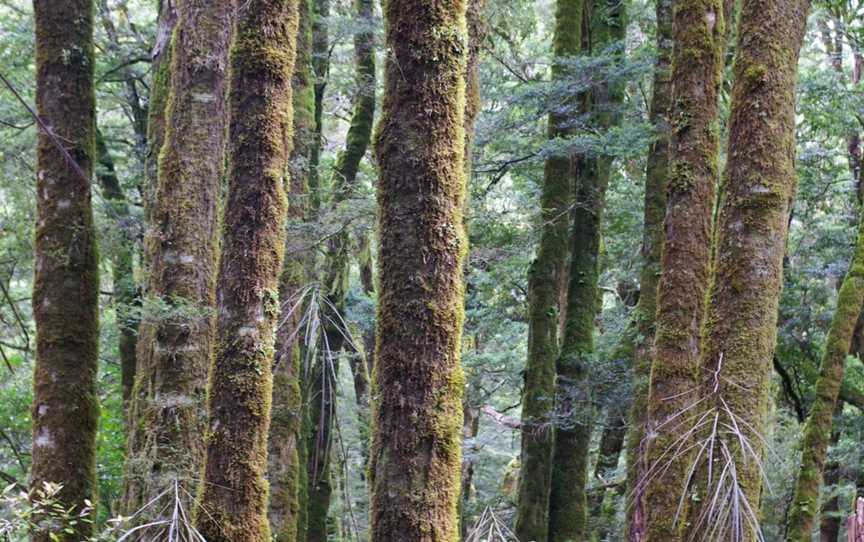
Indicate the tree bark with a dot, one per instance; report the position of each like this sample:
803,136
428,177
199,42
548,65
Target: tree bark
287,445
656,178
233,495
165,444
65,302
758,186
418,378
568,503
546,281
699,34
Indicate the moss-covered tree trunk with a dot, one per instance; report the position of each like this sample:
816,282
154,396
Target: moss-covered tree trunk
233,494
286,471
546,280
568,502
65,408
418,378
656,176
699,35
758,187
122,270
817,430
165,443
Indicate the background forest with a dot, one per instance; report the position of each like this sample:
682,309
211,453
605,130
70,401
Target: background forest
599,99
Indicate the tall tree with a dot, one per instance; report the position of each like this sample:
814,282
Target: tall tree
165,444
546,282
656,177
699,34
122,268
233,502
66,283
418,378
741,324
287,447
568,505
336,269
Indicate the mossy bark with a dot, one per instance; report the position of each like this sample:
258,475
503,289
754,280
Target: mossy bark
568,503
234,492
65,408
740,334
546,281
656,178
286,469
165,443
122,270
699,34
817,430
418,379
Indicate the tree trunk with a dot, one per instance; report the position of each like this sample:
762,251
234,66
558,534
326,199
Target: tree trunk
122,271
418,377
66,285
233,495
740,335
830,516
817,430
656,177
546,280
568,503
699,33
165,443
286,472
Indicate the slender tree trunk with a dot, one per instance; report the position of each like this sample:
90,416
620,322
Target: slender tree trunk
287,446
546,280
66,285
740,335
699,33
165,444
336,281
418,378
122,271
568,506
817,430
656,177
233,502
